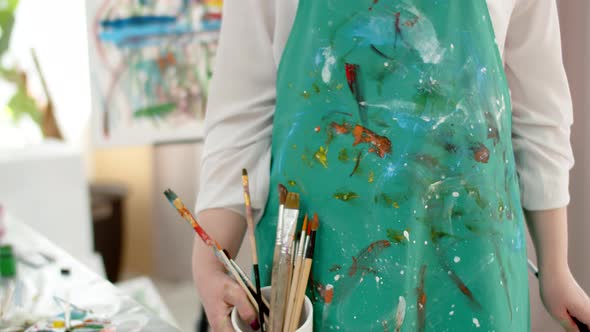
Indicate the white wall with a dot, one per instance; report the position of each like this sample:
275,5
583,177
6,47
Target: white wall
57,31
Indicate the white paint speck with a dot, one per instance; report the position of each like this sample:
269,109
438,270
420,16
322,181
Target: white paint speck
457,259
337,277
476,322
407,235
402,272
330,60
451,313
377,279
455,194
425,243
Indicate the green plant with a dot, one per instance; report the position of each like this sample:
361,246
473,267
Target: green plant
21,103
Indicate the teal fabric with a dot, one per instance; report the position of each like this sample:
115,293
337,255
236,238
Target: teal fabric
393,122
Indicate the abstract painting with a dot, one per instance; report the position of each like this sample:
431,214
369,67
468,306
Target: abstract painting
150,62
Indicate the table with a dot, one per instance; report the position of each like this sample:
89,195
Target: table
87,290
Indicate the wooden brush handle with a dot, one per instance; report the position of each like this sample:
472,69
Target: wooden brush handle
248,281
292,294
304,277
239,280
279,291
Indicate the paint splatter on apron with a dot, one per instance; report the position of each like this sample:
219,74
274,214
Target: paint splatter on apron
393,122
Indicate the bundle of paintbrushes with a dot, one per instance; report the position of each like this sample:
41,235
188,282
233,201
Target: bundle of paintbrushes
253,293
291,264
291,261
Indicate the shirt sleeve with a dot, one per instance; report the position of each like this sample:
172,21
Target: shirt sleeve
238,122
542,107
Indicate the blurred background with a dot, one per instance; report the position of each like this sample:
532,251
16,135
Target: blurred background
100,113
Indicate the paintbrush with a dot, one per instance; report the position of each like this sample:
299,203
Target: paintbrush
304,277
275,260
581,326
252,236
214,245
280,286
251,287
295,278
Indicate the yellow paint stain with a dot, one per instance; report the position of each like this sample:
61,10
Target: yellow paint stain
321,156
371,176
305,94
347,196
292,183
395,205
58,324
339,86
294,146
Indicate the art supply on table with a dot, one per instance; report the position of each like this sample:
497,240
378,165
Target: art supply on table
303,278
65,274
252,236
7,279
581,326
283,192
280,283
214,245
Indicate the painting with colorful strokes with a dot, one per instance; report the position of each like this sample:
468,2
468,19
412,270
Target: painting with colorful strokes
150,62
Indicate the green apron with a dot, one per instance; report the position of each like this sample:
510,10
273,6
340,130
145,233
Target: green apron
393,122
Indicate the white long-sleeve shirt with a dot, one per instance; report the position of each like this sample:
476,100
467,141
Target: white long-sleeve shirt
238,123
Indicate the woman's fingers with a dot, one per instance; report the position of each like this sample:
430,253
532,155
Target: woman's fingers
567,322
235,296
580,308
219,318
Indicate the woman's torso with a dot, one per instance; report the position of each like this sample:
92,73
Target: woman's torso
393,122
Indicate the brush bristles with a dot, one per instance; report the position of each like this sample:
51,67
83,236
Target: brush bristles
170,195
304,228
292,201
315,222
282,194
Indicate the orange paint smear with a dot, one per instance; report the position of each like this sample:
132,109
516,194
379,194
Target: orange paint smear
340,129
481,154
381,145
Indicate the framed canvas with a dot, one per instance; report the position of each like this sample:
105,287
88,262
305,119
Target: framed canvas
150,64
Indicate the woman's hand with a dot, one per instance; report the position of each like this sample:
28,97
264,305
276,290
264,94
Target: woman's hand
219,294
564,298
560,292
218,291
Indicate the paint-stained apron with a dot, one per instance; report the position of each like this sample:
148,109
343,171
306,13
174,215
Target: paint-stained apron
393,122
